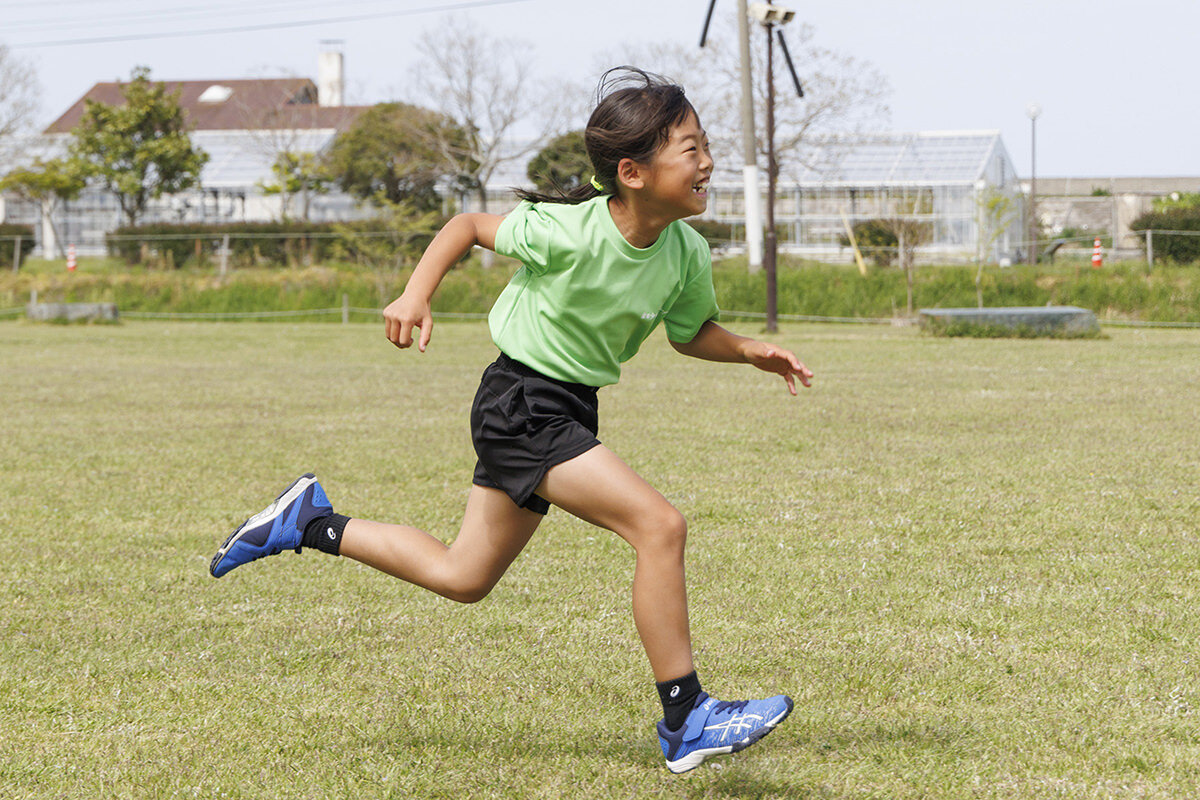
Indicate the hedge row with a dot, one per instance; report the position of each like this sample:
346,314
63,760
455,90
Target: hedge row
8,233
266,244
1164,294
1178,249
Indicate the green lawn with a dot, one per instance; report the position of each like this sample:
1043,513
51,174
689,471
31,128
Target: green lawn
971,562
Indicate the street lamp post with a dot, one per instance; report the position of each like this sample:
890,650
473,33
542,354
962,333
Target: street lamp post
1033,111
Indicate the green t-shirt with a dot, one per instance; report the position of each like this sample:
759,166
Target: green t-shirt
585,299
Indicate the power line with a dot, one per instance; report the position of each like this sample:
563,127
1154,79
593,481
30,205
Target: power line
161,14
267,26
43,4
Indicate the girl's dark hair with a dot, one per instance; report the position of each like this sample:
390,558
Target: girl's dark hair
635,112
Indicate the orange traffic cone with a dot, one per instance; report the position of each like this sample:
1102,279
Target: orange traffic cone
1097,260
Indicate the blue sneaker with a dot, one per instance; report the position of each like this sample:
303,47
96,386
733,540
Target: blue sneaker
714,727
278,527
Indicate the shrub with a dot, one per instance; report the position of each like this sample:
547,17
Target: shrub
1179,249
717,234
8,233
876,239
268,244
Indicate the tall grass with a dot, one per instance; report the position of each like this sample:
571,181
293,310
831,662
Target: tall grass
1124,291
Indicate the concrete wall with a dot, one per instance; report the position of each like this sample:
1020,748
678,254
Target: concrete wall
1102,205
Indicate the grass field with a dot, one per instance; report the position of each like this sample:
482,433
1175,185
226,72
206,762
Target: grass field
973,563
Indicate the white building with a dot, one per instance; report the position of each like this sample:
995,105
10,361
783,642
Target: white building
244,125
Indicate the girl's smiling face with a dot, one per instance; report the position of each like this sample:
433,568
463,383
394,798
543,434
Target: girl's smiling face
677,178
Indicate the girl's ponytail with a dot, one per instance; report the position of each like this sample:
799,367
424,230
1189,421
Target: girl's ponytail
561,194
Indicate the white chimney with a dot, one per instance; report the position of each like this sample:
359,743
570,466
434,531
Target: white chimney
331,80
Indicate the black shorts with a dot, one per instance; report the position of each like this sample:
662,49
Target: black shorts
523,423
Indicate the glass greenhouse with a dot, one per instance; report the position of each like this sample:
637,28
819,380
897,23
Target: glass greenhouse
963,183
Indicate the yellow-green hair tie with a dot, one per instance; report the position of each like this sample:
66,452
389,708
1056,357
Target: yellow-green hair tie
597,185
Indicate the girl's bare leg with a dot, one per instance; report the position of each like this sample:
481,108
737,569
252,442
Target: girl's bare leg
602,489
494,531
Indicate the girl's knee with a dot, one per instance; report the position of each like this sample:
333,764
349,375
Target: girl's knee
663,531
466,589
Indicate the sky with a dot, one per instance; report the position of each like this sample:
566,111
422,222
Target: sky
1114,80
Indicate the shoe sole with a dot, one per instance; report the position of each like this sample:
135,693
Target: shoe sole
697,757
269,513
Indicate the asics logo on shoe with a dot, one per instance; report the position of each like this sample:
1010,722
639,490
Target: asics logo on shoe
674,691
738,725
329,532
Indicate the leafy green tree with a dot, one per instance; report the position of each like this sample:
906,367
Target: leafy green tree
562,163
138,150
58,178
1176,200
297,175
389,156
46,183
909,219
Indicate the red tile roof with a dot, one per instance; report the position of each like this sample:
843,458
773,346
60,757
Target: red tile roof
252,104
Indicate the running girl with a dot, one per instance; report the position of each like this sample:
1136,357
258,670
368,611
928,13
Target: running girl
602,266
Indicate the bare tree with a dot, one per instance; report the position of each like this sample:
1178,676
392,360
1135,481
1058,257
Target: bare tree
18,97
997,212
486,87
909,218
842,95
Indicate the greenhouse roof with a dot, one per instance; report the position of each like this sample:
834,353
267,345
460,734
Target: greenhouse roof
949,157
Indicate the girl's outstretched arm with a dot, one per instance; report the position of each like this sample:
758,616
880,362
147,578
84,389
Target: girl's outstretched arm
411,309
714,343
